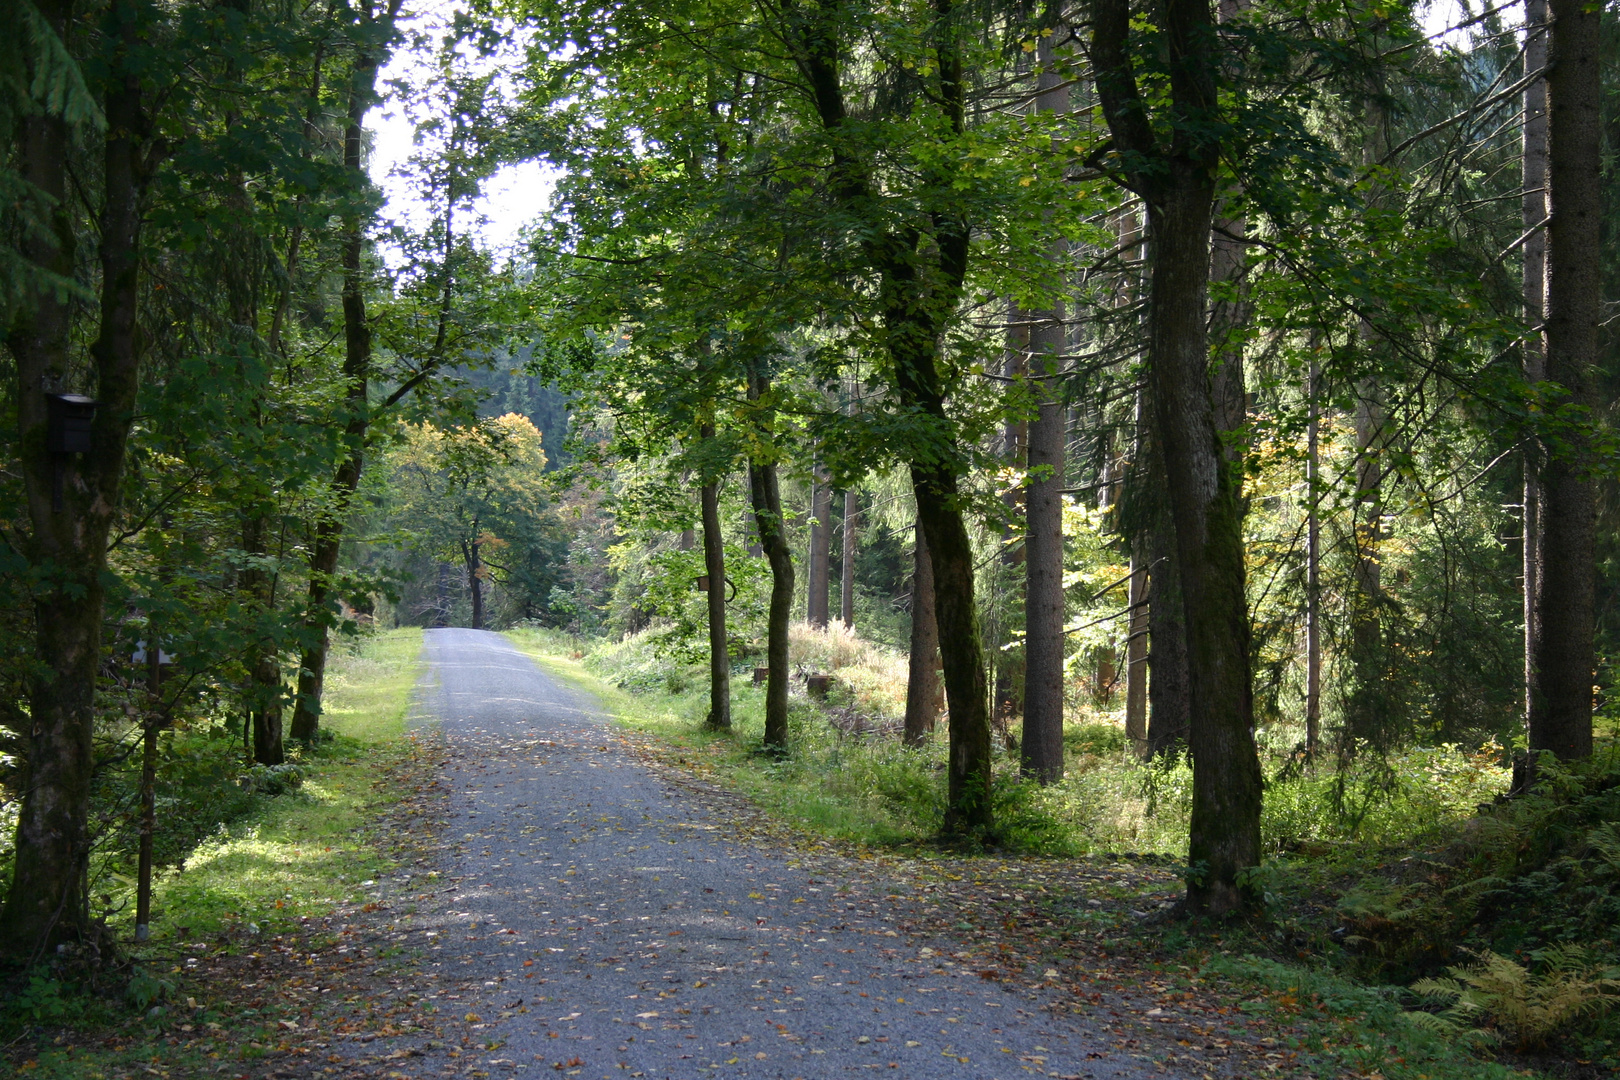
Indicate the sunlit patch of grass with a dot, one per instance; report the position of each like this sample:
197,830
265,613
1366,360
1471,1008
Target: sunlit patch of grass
305,851
303,854
368,685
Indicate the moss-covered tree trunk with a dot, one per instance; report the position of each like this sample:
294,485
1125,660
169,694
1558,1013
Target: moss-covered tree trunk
1173,168
47,900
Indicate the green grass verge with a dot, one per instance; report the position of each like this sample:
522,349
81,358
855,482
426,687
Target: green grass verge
368,689
298,853
302,852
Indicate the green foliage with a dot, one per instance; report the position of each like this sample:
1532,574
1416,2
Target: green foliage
475,497
1525,1008
1094,739
1341,1026
43,1000
146,989
281,857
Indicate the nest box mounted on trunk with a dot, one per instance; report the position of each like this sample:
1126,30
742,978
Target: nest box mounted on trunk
69,420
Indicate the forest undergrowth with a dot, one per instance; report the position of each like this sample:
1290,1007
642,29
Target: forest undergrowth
243,908
1392,889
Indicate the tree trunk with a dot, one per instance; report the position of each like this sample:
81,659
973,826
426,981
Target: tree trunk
150,726
1230,312
475,578
922,673
767,500
1225,827
1169,683
1169,704
1533,214
1227,317
1313,569
1136,652
263,662
1177,181
1129,236
817,608
1041,740
714,564
1009,663
919,285
47,900
441,615
1370,711
329,526
1561,696
966,686
846,586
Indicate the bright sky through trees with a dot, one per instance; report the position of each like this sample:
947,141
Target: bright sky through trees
513,198
520,193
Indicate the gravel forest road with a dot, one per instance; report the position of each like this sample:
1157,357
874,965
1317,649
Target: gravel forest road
612,923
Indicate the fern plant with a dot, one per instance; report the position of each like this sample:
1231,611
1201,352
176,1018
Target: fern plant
1524,1008
1605,843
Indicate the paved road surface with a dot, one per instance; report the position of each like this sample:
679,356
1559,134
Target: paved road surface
628,931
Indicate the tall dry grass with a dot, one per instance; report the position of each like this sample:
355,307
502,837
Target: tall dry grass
874,676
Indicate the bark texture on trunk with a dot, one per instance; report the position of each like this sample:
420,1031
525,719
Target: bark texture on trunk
1136,651
47,900
1129,233
1225,827
967,689
714,564
767,503
1041,740
262,660
922,673
1564,658
1169,684
1226,318
1177,181
1230,312
1533,213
